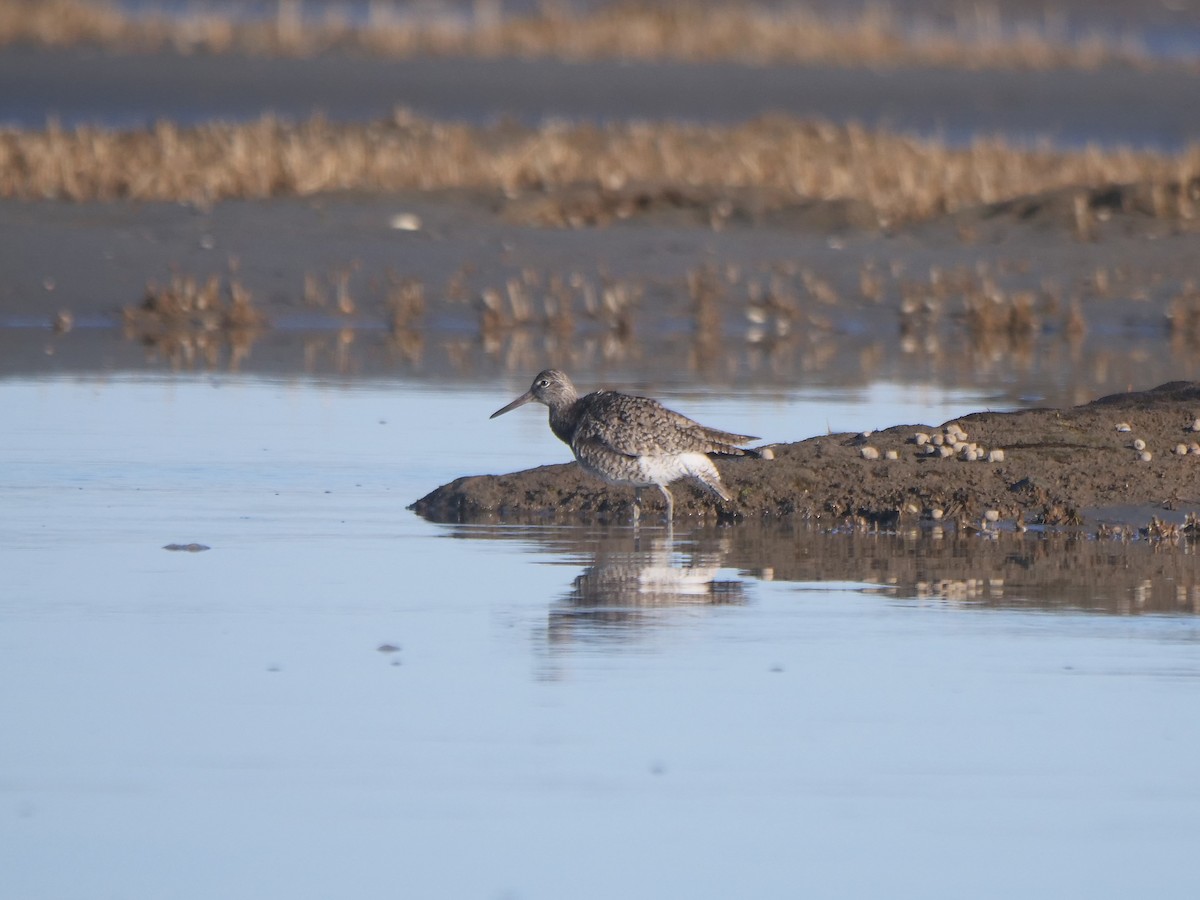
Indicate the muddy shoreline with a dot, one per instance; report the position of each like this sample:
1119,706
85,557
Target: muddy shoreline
1122,460
1009,301
1108,106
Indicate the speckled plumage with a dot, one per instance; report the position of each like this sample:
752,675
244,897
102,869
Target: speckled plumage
633,441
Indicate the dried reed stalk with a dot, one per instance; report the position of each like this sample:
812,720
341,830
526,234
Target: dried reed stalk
898,178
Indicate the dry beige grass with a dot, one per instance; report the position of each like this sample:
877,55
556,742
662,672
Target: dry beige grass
678,31
896,178
189,322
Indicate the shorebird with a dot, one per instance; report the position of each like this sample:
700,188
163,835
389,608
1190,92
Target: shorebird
632,441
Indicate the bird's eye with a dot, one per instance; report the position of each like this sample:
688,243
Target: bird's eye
545,382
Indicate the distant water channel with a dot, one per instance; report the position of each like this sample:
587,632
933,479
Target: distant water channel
340,699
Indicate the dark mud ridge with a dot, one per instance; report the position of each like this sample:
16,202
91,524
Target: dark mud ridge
1123,460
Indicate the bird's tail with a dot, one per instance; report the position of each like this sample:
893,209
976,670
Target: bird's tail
725,443
752,452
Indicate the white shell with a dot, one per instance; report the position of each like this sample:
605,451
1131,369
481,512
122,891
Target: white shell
1139,444
405,221
869,453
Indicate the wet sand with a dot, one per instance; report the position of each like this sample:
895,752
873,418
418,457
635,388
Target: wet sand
1115,105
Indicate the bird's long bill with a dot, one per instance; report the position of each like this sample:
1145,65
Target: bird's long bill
520,401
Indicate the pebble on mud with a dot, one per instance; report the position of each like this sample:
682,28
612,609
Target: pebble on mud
891,454
869,453
1196,425
1145,456
995,456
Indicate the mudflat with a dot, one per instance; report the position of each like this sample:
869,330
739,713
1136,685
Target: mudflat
626,274
1122,459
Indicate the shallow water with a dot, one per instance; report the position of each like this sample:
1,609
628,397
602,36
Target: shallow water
563,711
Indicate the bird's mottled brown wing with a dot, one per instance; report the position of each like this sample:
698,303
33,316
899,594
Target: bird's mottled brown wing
637,426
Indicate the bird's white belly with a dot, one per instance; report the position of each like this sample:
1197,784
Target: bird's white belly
642,471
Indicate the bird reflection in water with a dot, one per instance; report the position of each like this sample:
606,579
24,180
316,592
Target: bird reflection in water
634,579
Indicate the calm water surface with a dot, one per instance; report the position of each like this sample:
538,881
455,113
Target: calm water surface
567,712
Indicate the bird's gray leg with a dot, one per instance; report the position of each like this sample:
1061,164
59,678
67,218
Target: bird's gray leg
670,503
637,504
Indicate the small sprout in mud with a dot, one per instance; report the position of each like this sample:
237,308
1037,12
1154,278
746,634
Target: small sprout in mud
1145,456
1124,427
1139,444
869,453
995,456
1084,222
405,302
891,454
920,439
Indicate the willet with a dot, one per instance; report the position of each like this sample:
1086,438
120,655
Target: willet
632,441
